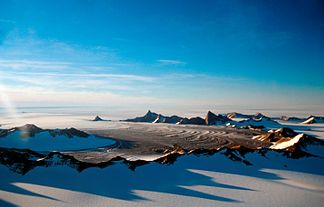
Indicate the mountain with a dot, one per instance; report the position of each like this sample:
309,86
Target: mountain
166,119
295,119
319,119
193,120
244,116
70,132
314,119
213,119
233,115
152,117
148,117
30,130
264,122
97,118
310,120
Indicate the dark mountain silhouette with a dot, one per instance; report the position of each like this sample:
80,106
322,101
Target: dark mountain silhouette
148,117
213,119
97,118
193,120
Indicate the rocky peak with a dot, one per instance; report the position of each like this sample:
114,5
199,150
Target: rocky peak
97,118
212,119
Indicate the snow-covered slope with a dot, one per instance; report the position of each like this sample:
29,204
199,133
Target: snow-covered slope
264,122
33,138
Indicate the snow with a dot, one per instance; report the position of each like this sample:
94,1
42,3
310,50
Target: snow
309,121
191,181
45,142
284,145
267,123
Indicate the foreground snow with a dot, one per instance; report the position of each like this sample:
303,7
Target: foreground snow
191,181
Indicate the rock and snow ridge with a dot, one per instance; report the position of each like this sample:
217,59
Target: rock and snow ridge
45,140
233,115
310,120
210,119
97,118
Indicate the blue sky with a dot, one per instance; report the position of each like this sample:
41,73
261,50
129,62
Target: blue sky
160,54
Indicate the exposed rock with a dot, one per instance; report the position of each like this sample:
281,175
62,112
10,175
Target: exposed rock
251,127
310,120
295,119
29,130
213,119
148,117
167,119
194,120
276,135
263,122
285,132
244,116
319,119
97,118
159,119
70,132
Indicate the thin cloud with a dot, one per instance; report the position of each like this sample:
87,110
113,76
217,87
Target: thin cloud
171,62
125,77
29,64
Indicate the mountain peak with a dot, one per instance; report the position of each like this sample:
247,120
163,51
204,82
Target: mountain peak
213,119
97,118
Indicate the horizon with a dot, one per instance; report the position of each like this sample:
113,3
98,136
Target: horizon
166,56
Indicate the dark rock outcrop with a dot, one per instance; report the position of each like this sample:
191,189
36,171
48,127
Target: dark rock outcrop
193,120
213,119
244,116
30,130
148,117
97,118
167,119
70,132
295,119
152,117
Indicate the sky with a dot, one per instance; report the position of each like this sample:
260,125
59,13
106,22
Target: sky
162,54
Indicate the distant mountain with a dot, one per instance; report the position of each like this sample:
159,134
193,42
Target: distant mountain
313,119
294,119
319,119
210,119
30,130
310,120
244,116
97,118
193,120
167,119
213,119
264,122
256,121
148,117
152,117
70,132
